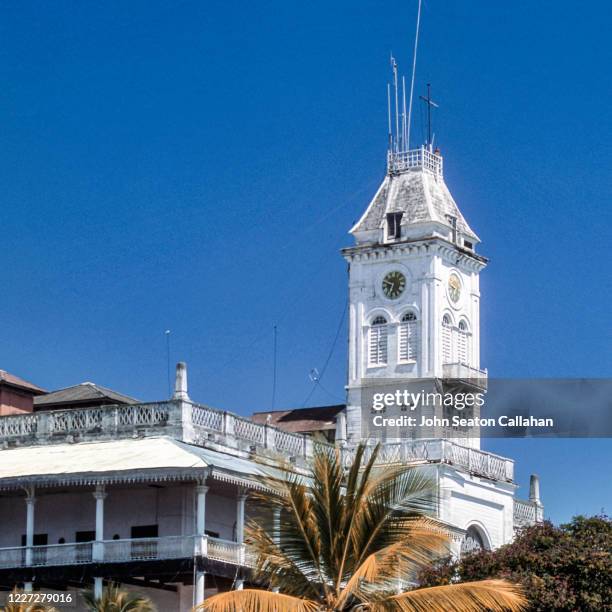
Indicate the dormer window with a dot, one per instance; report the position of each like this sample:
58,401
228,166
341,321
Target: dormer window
394,227
467,244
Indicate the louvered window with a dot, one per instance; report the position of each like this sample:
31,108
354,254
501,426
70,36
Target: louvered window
408,337
378,341
447,340
463,343
394,225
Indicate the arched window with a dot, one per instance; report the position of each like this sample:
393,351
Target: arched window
447,339
472,541
378,341
408,337
463,339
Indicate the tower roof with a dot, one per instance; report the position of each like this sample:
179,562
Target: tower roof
414,186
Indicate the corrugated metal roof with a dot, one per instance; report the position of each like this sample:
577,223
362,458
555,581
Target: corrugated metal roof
124,461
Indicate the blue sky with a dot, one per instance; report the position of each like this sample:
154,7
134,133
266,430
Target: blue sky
195,166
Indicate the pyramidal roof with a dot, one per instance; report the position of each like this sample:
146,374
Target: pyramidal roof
82,393
414,186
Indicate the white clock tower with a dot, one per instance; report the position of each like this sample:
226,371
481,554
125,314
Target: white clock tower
413,282
414,325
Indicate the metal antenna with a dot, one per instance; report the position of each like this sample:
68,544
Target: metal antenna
274,371
389,117
430,103
405,146
394,67
414,59
167,334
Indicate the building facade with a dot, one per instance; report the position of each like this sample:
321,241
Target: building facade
155,495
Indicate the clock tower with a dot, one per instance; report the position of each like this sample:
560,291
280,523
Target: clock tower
414,298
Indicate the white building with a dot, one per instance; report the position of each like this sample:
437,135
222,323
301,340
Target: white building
154,495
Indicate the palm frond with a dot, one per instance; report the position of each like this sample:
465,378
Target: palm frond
493,595
116,599
380,518
378,575
255,600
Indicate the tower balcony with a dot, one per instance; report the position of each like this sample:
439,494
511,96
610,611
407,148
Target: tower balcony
400,161
466,374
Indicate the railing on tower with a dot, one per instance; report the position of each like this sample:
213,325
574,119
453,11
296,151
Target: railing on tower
401,161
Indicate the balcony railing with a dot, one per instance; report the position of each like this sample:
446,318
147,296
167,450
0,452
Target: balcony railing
415,158
465,373
526,513
437,450
201,425
120,551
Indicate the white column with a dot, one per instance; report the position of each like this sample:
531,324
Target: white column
200,577
98,550
30,503
99,495
240,504
98,587
200,583
201,491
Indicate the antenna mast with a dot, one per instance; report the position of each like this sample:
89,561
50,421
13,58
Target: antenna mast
389,117
405,146
394,66
414,59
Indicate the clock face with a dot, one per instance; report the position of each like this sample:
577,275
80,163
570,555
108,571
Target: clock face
454,288
393,284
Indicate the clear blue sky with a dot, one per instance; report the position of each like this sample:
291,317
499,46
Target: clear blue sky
196,166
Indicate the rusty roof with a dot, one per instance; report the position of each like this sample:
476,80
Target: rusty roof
15,381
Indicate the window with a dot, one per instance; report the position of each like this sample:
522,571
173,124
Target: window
447,342
378,341
408,337
467,244
463,353
394,228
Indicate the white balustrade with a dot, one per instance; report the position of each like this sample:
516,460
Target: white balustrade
415,158
121,551
525,513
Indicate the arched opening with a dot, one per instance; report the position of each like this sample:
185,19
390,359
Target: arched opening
447,339
474,540
408,338
378,341
463,343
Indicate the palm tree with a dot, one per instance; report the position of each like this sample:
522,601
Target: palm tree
344,541
115,599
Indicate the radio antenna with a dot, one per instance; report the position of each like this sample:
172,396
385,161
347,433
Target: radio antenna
389,117
414,59
394,67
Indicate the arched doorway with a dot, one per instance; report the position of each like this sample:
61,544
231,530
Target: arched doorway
474,540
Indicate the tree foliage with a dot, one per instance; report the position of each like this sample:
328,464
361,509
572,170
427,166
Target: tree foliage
562,569
116,599
344,541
